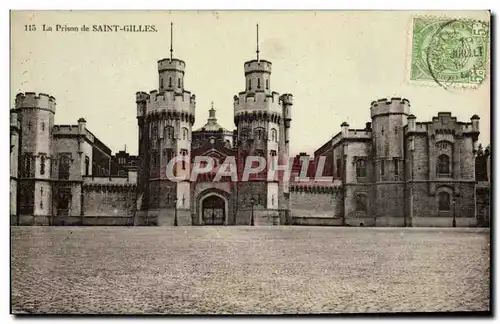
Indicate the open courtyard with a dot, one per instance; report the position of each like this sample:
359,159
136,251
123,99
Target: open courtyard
248,270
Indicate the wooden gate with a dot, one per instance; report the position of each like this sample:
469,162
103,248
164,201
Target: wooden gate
213,211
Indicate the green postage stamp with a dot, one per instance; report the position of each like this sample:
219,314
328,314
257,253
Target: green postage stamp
450,52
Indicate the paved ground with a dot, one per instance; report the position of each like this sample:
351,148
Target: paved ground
248,270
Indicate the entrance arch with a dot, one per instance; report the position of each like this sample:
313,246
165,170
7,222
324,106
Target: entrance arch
213,210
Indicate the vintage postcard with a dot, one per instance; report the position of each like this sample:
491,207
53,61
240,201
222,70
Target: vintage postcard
250,162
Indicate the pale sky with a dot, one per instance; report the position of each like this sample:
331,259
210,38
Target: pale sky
335,63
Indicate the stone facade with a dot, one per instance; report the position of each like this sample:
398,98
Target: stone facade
399,172
165,118
56,170
393,172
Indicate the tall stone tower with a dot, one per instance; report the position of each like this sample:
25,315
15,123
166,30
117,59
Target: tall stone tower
262,119
389,116
14,164
165,118
36,158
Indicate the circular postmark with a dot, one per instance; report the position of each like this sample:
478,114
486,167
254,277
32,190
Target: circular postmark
457,52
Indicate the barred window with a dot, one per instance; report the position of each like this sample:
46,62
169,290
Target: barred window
64,165
443,165
361,168
42,164
28,165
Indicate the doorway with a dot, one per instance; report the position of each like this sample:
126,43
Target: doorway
213,211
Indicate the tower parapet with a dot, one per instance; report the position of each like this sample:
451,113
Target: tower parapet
258,76
258,101
141,96
29,100
167,64
395,105
171,74
258,66
182,102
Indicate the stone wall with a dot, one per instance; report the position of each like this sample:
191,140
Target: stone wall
425,203
316,204
109,205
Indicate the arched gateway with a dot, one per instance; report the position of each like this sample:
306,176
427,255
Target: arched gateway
213,210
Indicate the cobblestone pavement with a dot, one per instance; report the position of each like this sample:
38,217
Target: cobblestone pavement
248,270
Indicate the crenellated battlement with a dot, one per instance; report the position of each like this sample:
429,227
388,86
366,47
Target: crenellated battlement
258,66
72,130
312,186
106,180
171,65
171,100
287,98
394,105
257,101
287,103
359,134
32,100
141,96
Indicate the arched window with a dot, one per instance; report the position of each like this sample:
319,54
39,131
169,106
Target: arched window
161,83
250,84
184,153
87,165
244,133
273,159
361,203
184,134
155,132
178,82
444,201
169,82
258,83
443,165
258,134
274,135
43,126
267,84
169,132
361,168
64,165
